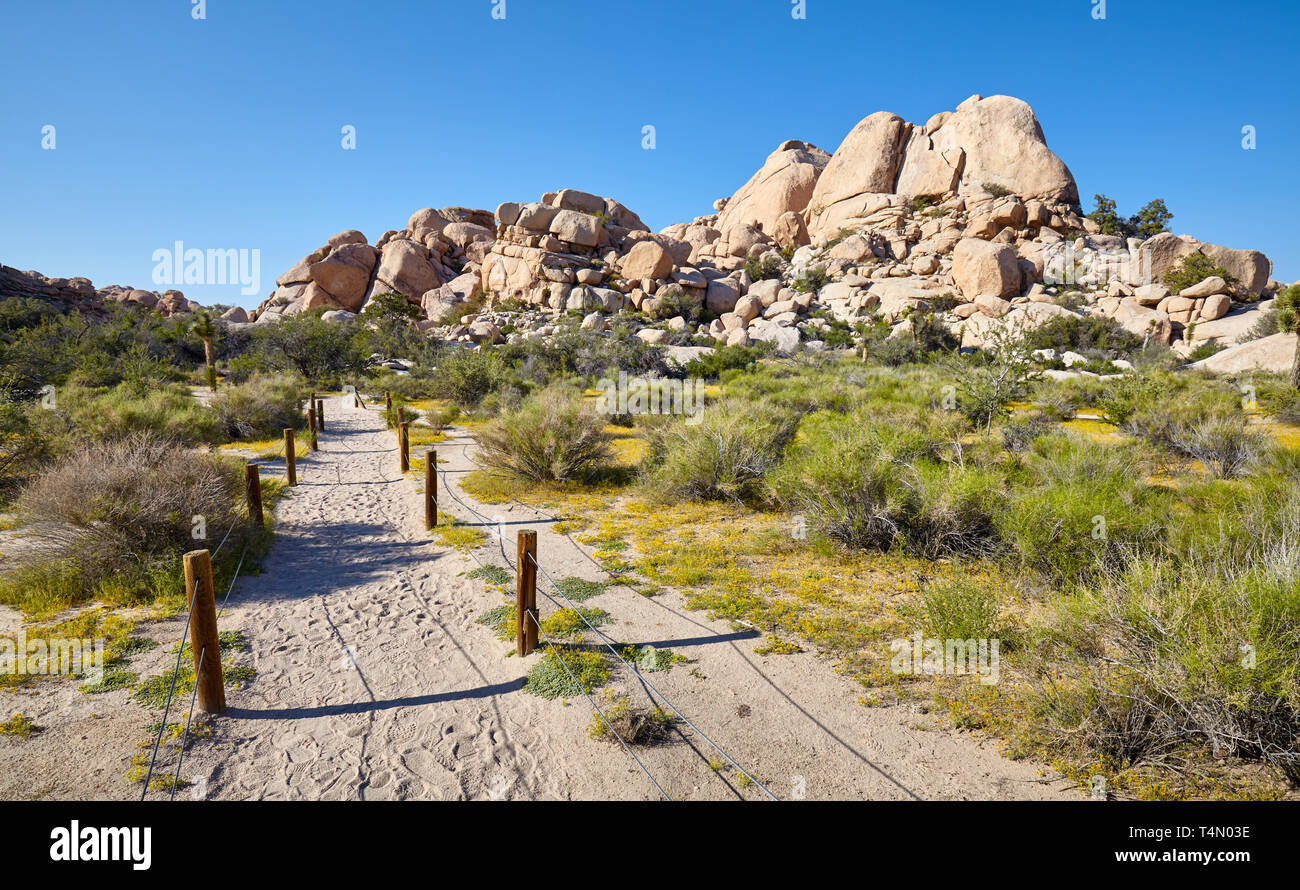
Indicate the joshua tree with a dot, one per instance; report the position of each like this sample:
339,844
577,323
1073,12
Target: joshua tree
1288,322
205,328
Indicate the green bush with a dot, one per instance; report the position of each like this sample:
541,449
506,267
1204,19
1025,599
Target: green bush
725,456
765,267
1193,269
170,412
551,437
467,376
261,408
1083,333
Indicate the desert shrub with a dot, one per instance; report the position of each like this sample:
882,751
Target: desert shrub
1081,333
725,358
324,353
1020,432
635,726
811,280
959,609
764,267
997,191
552,437
871,481
170,412
260,408
991,380
1081,506
1265,326
684,301
1223,444
589,355
30,435
1193,269
1199,651
118,513
723,456
1205,350
467,376
1124,398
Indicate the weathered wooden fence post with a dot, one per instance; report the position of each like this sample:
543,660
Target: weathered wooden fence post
290,457
311,425
320,414
404,446
254,485
430,489
526,615
203,632
388,409
401,415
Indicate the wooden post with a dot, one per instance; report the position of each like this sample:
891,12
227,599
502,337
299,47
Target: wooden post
388,409
401,415
404,446
203,632
290,457
430,489
526,615
311,425
320,415
254,494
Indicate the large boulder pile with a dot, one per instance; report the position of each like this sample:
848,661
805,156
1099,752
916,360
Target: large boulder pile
969,217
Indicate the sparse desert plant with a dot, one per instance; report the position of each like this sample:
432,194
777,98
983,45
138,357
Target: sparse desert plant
1193,269
1003,374
1288,322
1223,444
635,726
552,437
723,457
466,376
260,408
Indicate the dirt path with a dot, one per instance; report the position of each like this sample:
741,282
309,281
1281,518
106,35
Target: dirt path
374,680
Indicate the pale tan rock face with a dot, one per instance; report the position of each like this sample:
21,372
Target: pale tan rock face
647,259
1272,353
427,218
345,274
867,162
783,184
927,170
1004,145
404,268
983,267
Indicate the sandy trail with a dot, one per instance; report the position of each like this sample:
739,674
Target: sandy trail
375,682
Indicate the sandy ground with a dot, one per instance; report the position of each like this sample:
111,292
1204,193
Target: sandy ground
374,680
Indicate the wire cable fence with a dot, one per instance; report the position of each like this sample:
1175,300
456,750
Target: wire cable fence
653,691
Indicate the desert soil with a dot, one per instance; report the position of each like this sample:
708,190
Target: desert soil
374,680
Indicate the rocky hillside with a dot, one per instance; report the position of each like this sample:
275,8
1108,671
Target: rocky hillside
80,294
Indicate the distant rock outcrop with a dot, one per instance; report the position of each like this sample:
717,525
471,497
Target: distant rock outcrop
80,295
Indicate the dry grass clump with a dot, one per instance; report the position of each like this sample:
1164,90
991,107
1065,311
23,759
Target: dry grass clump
636,726
115,509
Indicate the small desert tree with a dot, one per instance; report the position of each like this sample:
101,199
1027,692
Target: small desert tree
989,383
1288,322
204,327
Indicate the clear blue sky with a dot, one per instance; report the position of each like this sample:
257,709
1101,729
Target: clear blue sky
225,133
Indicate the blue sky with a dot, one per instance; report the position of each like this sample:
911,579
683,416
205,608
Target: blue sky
225,132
